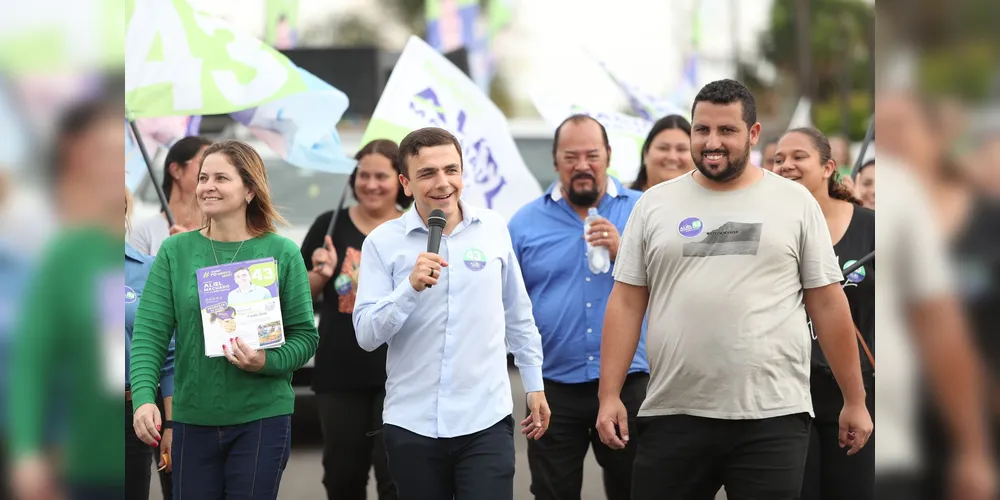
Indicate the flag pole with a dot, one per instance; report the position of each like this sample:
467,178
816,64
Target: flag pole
149,166
869,137
336,212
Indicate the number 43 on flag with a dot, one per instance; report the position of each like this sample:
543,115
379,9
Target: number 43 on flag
179,61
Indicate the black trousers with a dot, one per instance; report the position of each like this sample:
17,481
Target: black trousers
138,458
830,473
680,457
556,460
350,421
479,466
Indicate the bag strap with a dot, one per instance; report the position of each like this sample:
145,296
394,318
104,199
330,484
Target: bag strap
864,345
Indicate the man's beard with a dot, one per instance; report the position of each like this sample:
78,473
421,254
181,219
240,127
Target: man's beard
734,165
585,197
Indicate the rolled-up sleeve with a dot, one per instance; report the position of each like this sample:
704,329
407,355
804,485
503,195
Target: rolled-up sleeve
380,308
523,339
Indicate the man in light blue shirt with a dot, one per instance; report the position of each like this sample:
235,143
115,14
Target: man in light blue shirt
568,300
449,319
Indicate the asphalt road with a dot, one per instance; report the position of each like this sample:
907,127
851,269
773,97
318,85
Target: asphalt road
301,480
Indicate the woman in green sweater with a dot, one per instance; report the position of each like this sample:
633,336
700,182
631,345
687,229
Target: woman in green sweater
232,412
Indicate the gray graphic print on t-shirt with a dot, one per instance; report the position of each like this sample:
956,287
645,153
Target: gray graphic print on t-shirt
732,238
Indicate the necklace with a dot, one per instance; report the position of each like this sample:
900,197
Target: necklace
212,242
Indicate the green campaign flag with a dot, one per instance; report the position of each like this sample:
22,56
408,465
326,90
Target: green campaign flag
180,61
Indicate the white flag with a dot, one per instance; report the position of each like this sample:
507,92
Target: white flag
427,90
626,133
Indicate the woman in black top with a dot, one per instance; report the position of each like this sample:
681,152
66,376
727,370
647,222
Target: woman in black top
350,382
804,155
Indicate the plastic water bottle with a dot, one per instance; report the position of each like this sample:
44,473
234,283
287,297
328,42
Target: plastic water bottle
597,257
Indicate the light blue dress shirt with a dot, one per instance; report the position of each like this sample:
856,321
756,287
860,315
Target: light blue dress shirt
137,265
447,359
568,299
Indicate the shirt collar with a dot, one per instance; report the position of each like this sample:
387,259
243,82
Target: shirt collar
555,190
414,222
132,253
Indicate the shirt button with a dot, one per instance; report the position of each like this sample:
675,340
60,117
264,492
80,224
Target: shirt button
591,358
588,304
588,279
590,330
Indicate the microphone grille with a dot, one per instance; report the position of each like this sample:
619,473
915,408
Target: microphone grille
437,218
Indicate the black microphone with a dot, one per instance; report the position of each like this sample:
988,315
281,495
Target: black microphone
435,227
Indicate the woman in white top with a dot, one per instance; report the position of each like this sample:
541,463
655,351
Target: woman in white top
179,182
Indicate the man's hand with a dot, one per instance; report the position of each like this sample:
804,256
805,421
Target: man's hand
612,418
244,357
324,259
535,425
166,446
426,271
855,426
604,234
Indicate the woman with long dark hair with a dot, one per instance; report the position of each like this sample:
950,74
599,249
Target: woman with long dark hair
804,155
232,413
349,381
666,154
180,179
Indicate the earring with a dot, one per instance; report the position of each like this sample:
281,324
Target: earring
248,201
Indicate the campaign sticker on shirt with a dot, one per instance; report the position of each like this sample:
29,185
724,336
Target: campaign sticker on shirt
474,259
130,295
858,275
342,284
690,227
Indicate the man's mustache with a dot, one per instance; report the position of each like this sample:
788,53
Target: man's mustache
582,176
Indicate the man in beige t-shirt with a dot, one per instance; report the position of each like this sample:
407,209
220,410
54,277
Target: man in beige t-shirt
728,261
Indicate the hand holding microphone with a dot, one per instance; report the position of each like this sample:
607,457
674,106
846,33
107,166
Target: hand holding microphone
427,269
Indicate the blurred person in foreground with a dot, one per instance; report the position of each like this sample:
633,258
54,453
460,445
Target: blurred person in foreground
350,382
232,414
568,301
138,453
76,351
448,429
804,156
15,273
729,262
864,182
180,181
666,154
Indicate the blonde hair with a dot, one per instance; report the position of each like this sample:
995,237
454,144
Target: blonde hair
262,216
129,204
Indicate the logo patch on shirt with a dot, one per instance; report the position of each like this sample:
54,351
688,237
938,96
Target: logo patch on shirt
130,295
858,275
690,227
474,259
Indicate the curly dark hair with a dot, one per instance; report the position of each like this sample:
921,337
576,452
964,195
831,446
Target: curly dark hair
728,92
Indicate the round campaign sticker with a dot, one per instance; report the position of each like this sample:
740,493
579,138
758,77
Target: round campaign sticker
342,284
690,227
130,295
474,259
858,275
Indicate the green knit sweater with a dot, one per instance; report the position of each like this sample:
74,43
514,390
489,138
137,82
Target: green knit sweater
211,391
59,363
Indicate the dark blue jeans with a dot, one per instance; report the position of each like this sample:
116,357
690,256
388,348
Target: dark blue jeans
233,462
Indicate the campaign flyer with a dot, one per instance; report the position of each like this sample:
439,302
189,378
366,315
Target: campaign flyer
240,300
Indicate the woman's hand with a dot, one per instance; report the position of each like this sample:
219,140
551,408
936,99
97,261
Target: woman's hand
324,258
147,422
32,479
244,357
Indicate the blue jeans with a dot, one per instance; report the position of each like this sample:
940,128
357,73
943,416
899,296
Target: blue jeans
233,462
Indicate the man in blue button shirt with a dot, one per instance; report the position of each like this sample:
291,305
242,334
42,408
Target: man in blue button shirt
449,319
569,302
